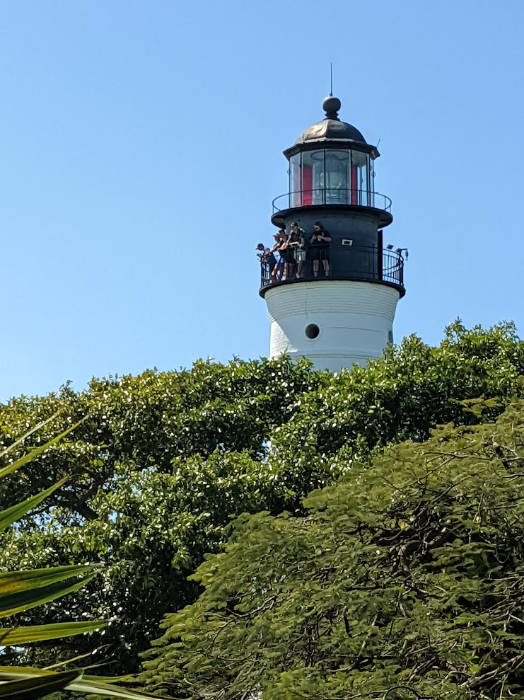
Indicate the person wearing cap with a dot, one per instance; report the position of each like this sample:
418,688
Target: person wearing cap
267,261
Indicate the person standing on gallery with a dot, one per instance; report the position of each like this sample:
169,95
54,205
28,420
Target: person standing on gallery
320,241
297,245
278,270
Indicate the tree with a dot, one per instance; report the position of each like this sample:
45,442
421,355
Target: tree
405,580
21,591
163,462
126,505
145,422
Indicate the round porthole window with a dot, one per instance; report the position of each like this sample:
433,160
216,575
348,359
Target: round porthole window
312,330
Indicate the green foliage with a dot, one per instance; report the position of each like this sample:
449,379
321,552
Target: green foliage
402,396
22,590
163,462
125,506
39,686
405,580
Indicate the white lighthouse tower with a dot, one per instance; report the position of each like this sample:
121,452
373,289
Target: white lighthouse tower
335,302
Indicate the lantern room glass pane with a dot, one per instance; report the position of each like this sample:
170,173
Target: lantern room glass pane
313,177
295,180
337,177
360,190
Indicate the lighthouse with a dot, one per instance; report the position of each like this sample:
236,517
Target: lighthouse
332,297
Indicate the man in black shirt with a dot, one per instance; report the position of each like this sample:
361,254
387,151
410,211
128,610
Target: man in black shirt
319,241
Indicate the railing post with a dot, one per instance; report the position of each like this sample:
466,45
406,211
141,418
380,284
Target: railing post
380,261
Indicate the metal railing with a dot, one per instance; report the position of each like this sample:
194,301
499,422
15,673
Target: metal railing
323,195
361,263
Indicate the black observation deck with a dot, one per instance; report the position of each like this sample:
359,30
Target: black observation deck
347,262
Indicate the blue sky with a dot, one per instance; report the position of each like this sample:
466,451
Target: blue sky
141,146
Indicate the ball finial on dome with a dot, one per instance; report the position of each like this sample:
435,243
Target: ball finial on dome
331,105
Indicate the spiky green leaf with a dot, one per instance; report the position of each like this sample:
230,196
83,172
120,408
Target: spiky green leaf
11,515
38,686
17,636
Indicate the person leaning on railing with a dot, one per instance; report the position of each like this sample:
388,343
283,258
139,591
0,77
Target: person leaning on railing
267,261
320,241
278,270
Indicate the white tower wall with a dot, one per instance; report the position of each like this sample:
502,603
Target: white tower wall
355,321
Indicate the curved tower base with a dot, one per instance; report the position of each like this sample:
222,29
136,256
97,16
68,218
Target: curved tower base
334,323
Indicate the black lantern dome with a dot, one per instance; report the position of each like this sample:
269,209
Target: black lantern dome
331,127
332,131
